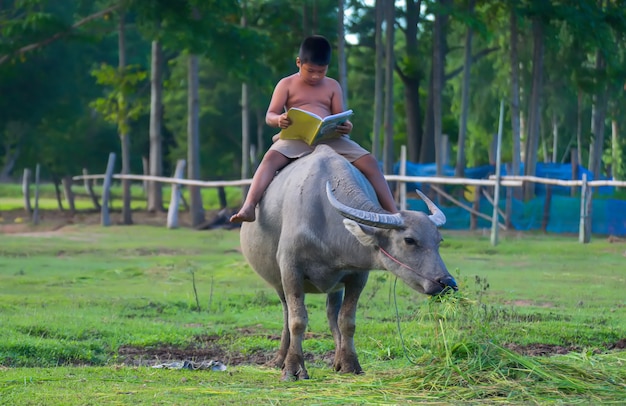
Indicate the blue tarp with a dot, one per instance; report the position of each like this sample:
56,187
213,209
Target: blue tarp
608,215
544,170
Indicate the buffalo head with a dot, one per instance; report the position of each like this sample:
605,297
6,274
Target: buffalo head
407,243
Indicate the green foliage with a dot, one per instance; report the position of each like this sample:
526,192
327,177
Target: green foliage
256,42
120,105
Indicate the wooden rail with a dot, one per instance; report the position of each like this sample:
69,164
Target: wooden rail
177,180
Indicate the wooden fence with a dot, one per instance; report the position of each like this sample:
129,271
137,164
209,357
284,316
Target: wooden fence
402,179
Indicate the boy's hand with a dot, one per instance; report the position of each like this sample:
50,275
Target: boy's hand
284,121
344,128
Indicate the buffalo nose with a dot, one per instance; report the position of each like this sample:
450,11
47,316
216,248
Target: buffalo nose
448,282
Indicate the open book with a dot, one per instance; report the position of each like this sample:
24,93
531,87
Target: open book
310,127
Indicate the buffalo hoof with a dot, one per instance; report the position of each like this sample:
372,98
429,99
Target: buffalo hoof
294,369
348,365
289,376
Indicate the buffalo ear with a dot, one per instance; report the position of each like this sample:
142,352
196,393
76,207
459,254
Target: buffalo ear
363,233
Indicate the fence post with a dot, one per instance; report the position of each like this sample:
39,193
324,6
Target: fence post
106,191
402,184
172,211
36,211
26,191
496,192
584,234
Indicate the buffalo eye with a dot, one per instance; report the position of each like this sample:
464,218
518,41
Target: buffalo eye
409,241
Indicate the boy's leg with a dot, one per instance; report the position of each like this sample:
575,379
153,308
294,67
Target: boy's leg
272,162
368,165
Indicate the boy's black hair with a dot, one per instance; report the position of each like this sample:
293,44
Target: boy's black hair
316,50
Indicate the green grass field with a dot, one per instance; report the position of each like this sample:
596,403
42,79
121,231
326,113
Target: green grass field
86,311
11,197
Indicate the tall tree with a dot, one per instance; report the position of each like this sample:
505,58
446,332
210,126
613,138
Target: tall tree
598,117
411,73
378,78
341,52
389,65
534,120
193,140
155,197
245,115
467,65
515,94
124,129
437,87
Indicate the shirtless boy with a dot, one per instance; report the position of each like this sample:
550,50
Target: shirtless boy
310,90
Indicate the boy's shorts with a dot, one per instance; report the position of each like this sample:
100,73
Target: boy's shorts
297,149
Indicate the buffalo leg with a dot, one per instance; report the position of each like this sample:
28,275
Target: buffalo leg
346,360
333,304
279,359
293,367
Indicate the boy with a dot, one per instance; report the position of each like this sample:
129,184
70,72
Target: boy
310,90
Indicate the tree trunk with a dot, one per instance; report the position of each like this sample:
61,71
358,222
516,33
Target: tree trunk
515,100
378,80
467,65
438,69
615,150
579,126
390,12
155,196
10,157
127,216
534,120
245,120
555,138
597,120
412,79
245,132
341,53
427,147
432,128
193,141
260,142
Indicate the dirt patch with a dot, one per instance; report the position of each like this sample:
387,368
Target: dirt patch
613,239
51,221
618,345
538,350
205,349
535,350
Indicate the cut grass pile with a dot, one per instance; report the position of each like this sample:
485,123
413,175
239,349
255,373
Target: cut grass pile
86,310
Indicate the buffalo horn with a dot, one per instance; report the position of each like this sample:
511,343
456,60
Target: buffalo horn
381,220
437,215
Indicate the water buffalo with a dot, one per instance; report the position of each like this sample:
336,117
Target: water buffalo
320,229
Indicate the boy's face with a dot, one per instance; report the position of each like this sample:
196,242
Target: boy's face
310,73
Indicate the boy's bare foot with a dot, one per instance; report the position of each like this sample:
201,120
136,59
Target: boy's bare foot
245,214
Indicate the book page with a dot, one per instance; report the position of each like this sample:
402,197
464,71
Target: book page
331,122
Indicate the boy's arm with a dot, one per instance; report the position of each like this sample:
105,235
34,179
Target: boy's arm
336,106
276,115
